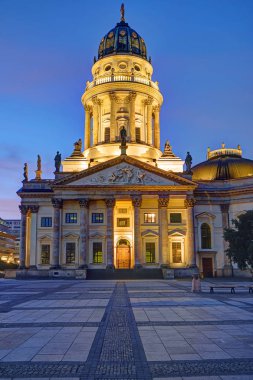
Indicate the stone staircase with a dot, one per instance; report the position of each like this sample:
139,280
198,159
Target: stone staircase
125,274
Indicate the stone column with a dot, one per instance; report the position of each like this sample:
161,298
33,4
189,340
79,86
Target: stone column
110,203
149,120
96,103
157,127
189,205
87,127
22,254
55,260
163,201
227,270
33,236
113,98
132,97
84,231
136,201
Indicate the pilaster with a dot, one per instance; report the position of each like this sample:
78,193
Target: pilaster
33,235
137,201
87,126
189,205
227,270
163,201
113,99
84,231
55,259
132,97
149,102
110,203
157,127
22,256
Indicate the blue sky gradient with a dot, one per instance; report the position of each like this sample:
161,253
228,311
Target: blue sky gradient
202,53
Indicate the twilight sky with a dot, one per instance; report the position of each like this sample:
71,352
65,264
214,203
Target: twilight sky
202,53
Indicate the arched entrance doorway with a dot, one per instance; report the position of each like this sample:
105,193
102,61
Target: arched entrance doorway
123,254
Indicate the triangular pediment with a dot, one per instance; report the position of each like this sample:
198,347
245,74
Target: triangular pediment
123,170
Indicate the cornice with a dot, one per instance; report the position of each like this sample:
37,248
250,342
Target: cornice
122,86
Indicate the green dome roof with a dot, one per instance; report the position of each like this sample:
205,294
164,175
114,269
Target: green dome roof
122,40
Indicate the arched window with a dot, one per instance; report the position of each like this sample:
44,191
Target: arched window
205,236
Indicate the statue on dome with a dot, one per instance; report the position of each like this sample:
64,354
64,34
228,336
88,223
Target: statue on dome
122,11
57,162
25,174
188,163
38,163
78,145
123,135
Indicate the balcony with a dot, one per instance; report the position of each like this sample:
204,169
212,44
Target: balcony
122,78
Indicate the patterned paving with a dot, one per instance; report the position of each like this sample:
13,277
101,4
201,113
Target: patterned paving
124,330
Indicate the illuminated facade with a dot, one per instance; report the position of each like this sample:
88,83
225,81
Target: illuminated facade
121,202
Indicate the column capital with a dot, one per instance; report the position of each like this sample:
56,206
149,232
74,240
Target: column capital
87,108
23,209
136,200
224,208
113,95
96,101
57,202
34,208
84,203
157,108
110,202
189,202
149,101
132,95
163,200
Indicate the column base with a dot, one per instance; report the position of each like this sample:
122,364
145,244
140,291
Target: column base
83,266
33,267
110,267
137,266
55,267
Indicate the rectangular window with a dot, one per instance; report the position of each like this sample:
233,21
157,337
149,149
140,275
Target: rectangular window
176,252
149,218
71,217
107,134
150,253
122,210
175,217
97,253
138,134
97,217
46,221
45,254
70,253
123,222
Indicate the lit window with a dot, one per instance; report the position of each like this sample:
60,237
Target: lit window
205,236
107,135
122,210
175,217
176,252
97,253
70,253
97,217
149,218
150,253
123,222
46,222
71,217
45,254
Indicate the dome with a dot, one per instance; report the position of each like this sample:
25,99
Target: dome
122,40
223,164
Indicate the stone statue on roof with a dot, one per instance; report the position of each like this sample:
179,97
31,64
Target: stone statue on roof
188,163
25,174
78,145
39,163
57,162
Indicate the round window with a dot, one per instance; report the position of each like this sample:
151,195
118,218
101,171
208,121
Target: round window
122,65
108,67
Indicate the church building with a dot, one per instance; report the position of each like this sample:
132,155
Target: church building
120,202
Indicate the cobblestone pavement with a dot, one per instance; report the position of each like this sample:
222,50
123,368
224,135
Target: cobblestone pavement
155,329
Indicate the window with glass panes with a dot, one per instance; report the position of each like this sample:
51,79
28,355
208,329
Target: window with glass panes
176,252
175,217
97,217
123,222
45,254
205,236
71,217
107,134
97,253
150,253
46,221
149,218
138,134
70,252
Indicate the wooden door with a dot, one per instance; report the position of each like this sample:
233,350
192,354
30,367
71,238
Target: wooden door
123,257
207,266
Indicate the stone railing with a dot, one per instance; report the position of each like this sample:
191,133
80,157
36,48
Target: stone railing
122,78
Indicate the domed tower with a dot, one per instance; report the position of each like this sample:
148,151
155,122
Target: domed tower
122,94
